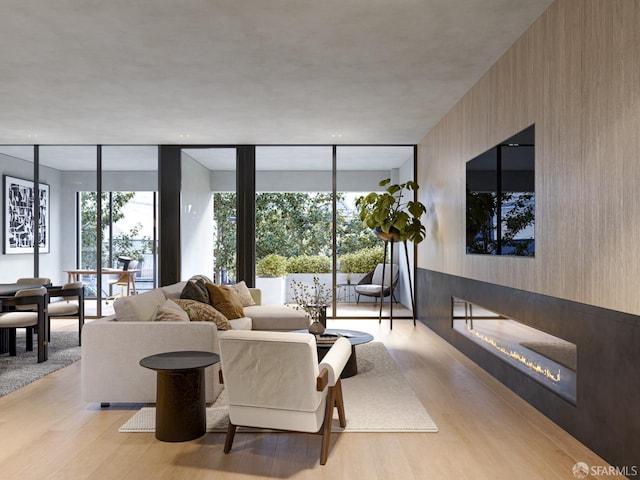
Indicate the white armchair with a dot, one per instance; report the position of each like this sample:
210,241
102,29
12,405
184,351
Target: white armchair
273,380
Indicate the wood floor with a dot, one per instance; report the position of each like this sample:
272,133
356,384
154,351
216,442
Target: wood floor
485,432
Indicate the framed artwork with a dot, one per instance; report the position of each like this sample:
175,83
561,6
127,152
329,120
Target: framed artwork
19,228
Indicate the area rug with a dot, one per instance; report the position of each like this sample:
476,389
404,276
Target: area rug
377,399
18,371
563,353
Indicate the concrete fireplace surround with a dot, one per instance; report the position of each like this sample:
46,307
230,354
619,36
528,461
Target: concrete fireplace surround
605,417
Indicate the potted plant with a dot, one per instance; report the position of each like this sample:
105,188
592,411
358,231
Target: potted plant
391,215
271,271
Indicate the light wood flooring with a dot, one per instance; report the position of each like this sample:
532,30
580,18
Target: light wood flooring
485,431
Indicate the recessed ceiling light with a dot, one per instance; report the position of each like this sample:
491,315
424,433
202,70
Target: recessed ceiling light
184,135
336,135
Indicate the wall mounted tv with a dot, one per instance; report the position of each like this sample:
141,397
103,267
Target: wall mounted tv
501,198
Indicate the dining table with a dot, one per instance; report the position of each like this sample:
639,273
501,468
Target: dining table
8,301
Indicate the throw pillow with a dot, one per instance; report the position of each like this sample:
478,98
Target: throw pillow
138,308
225,300
195,290
204,278
203,312
170,311
243,292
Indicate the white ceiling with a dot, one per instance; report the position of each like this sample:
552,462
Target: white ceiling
244,71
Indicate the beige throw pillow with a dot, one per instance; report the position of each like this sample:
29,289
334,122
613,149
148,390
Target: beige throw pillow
203,312
170,311
243,292
225,300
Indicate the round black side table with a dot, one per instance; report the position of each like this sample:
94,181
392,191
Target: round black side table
181,413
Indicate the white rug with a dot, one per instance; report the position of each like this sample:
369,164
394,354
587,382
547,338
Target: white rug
377,399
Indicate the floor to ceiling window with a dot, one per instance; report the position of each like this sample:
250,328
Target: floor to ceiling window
294,186
359,169
298,219
71,188
129,213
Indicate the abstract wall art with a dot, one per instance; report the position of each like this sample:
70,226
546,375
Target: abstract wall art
19,204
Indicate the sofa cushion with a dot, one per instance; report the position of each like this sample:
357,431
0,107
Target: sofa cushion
276,317
173,291
203,312
243,323
243,292
225,300
196,290
170,311
138,307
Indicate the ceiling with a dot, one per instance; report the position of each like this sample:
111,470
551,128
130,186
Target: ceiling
244,71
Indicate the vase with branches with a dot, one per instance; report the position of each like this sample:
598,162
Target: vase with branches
313,300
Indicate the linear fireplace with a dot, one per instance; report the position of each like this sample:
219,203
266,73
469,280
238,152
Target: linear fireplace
607,345
549,360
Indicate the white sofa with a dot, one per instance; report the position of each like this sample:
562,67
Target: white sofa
112,347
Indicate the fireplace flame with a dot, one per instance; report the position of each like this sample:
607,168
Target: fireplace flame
536,367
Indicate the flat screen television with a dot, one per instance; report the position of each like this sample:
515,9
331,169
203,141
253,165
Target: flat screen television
500,207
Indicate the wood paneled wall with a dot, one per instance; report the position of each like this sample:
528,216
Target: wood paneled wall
575,74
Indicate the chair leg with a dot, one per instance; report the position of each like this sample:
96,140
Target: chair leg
13,351
339,404
231,432
326,425
29,339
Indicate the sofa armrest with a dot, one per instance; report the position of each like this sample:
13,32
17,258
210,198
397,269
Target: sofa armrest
111,352
256,294
335,360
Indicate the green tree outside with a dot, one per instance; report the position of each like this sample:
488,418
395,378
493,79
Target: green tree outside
129,244
288,224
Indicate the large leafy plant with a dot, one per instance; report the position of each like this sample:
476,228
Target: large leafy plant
389,212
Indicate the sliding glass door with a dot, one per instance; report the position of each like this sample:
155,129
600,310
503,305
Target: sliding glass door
294,222
359,169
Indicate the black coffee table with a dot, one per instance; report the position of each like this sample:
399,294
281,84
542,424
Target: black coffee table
181,413
355,338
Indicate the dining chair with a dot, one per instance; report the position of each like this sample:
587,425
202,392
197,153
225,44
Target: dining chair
25,316
44,281
124,279
68,302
